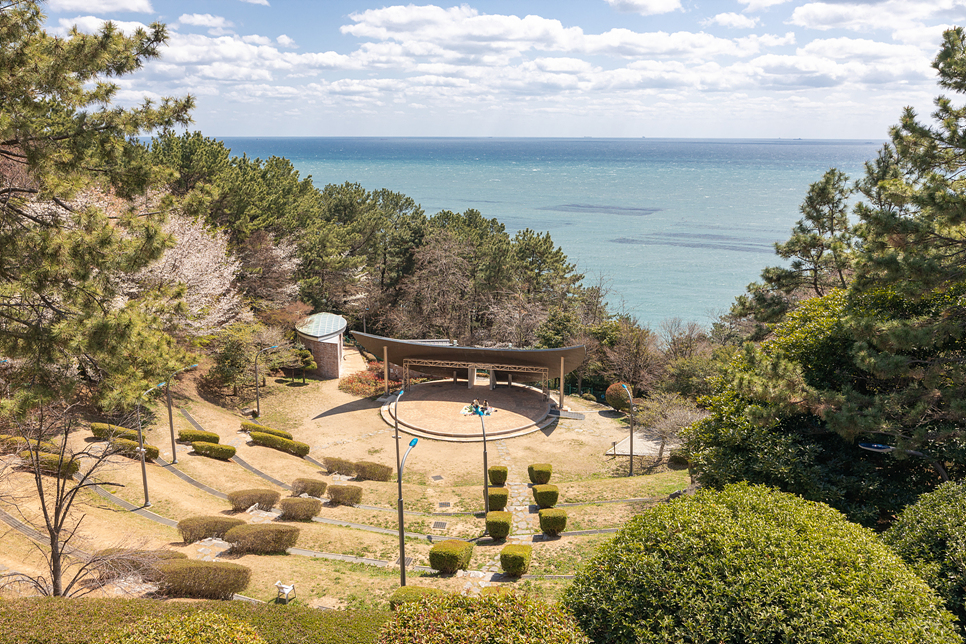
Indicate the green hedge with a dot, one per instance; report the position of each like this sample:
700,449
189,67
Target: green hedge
192,435
52,463
213,450
335,465
546,495
616,396
497,474
199,628
540,473
279,443
262,539
129,448
202,579
312,487
10,444
105,431
407,594
498,497
458,619
498,524
116,563
83,620
298,509
553,522
752,565
241,500
197,528
345,494
515,559
255,427
369,471
450,555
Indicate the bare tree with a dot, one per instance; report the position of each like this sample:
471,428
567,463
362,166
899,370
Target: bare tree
635,357
664,415
682,339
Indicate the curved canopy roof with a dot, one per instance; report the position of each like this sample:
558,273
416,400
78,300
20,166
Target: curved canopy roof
321,326
400,350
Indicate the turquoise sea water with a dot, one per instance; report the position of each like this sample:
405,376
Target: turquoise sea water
677,227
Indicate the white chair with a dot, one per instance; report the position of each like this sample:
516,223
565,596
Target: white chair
285,592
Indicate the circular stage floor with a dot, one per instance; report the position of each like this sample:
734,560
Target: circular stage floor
433,410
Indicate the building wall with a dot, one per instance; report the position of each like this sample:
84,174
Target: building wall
328,356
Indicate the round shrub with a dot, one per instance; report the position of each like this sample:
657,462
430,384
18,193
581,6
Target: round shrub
117,563
345,494
298,509
196,628
193,435
498,524
406,594
515,559
930,536
498,497
105,432
616,396
213,450
589,396
241,500
369,471
197,528
130,448
53,464
336,465
546,495
458,619
553,522
202,579
450,555
262,539
279,443
255,427
312,487
497,474
540,473
755,566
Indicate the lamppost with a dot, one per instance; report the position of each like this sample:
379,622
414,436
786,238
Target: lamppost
144,469
486,479
167,392
885,449
402,534
630,398
258,408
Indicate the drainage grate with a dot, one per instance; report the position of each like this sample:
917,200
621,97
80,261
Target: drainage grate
409,561
444,504
439,525
437,477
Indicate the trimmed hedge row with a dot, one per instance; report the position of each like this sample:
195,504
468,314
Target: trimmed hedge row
335,465
197,528
105,431
213,450
10,444
117,563
345,494
369,471
299,509
497,474
498,524
262,539
546,495
206,628
192,435
281,444
498,496
407,594
553,521
515,559
540,473
241,500
129,448
450,555
312,487
202,579
52,463
255,427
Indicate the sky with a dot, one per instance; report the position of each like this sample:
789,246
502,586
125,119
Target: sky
839,69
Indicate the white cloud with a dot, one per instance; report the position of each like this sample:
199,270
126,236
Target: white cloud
217,25
758,5
261,2
91,25
857,16
257,40
99,6
285,41
733,20
645,7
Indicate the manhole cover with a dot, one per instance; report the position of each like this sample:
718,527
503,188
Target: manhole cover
409,561
444,504
438,477
439,525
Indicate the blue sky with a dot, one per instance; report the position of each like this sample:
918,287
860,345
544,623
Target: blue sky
610,68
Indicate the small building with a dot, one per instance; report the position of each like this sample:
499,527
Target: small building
322,335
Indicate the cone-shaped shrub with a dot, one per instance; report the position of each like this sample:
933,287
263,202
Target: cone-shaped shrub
450,555
241,500
255,427
546,495
553,522
515,559
298,509
498,497
279,443
202,579
498,524
540,473
197,528
193,435
345,494
497,474
213,450
129,448
336,465
105,431
263,538
369,471
408,594
312,487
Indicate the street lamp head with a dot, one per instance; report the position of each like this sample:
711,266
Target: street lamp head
413,442
275,347
193,366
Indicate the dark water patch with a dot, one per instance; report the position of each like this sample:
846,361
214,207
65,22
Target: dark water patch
601,210
704,242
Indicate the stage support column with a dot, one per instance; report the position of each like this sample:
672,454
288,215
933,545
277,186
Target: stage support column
492,379
471,376
509,380
454,377
385,364
560,406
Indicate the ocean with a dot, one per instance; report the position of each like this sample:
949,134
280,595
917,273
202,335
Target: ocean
673,227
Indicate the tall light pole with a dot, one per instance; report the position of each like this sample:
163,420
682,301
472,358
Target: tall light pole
144,469
630,399
486,478
167,392
402,534
258,408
